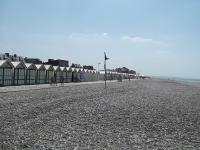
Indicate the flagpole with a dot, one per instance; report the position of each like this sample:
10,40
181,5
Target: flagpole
105,77
105,58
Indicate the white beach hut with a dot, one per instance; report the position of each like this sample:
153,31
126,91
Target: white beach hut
30,73
98,75
6,72
69,74
57,73
93,75
90,75
86,75
49,73
102,75
64,73
82,75
75,74
41,74
19,73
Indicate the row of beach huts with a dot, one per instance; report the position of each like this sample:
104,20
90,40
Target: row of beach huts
20,73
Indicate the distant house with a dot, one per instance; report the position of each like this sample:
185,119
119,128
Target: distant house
76,65
7,56
32,60
125,70
58,62
88,67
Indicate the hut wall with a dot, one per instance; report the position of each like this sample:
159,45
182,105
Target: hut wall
41,76
5,76
75,76
64,75
19,76
31,76
82,76
58,75
86,76
49,75
1,76
101,76
90,76
69,76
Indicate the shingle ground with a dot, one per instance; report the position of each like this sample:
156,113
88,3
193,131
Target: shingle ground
141,114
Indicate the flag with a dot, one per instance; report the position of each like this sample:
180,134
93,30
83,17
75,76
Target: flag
106,58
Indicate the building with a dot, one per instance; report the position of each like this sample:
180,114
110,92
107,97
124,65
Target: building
7,56
58,62
76,65
32,60
88,67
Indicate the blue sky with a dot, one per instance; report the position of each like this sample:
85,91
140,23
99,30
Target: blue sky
154,37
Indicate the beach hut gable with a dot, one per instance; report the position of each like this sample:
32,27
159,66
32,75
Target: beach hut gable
56,68
63,68
6,64
30,66
49,67
69,69
73,69
40,67
78,70
19,65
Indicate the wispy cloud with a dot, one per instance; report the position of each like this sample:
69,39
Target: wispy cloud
142,41
136,40
88,36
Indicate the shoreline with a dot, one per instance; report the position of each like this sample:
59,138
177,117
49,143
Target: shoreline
190,82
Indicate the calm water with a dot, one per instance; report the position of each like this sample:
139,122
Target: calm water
193,82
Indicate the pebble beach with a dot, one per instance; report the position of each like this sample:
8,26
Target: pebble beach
138,114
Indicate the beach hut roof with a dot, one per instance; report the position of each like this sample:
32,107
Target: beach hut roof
68,68
30,66
73,69
6,64
40,67
18,64
78,69
56,68
63,68
48,67
86,70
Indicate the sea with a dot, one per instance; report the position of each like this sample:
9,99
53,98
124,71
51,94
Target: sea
188,81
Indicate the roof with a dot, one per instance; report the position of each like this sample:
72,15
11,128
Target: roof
63,68
48,67
6,64
69,68
18,64
30,66
78,69
56,68
73,69
40,67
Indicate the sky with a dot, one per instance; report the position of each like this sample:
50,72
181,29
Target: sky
153,37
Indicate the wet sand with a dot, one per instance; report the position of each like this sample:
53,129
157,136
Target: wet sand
140,114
